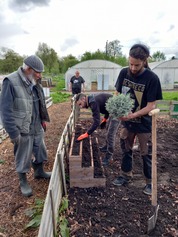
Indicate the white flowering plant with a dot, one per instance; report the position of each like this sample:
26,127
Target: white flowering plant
120,105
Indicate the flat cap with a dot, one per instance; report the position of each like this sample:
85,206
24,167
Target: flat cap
35,63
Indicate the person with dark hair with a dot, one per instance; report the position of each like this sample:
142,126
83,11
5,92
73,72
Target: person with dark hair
144,88
77,84
96,102
24,113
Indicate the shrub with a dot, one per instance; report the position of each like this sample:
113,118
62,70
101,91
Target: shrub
59,97
119,106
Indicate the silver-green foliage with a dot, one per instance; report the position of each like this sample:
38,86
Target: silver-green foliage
119,106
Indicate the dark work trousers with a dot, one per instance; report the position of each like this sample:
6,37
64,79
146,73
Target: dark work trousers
29,145
127,142
111,135
76,91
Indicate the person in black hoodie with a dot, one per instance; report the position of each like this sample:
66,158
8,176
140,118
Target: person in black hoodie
97,103
24,113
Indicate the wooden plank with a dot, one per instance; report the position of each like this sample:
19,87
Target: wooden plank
165,108
81,173
85,117
85,112
91,153
88,183
164,113
75,161
163,102
173,113
72,145
53,213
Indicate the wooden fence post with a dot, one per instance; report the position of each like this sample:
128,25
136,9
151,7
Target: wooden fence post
53,213
62,173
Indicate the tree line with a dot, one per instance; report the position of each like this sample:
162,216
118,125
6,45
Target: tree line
10,60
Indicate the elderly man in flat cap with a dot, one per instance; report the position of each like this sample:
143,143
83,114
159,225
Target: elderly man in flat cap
24,113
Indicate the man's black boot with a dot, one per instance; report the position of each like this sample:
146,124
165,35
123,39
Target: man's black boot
39,173
107,159
24,186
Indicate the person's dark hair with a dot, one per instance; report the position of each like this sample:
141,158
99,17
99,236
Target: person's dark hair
140,51
79,96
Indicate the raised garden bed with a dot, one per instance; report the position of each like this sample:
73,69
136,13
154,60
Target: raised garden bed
84,160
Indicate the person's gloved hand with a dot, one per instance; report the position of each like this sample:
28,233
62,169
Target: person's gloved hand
81,137
16,140
103,123
44,126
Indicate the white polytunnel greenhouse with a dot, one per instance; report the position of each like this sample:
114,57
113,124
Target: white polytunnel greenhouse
98,74
167,72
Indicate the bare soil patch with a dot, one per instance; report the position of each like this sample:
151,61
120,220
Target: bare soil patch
124,211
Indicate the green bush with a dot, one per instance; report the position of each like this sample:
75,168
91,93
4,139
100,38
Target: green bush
58,83
167,95
59,97
119,106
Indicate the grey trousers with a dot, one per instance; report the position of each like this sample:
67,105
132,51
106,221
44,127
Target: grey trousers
29,145
111,135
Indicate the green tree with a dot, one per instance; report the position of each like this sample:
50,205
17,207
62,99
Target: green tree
86,56
48,56
114,48
95,55
10,61
158,56
67,62
122,61
98,55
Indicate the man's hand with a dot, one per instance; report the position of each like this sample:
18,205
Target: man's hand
44,126
128,117
103,123
16,140
81,137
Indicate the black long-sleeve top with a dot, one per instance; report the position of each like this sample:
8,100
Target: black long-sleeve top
97,103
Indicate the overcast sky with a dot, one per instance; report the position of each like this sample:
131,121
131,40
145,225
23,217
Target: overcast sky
76,26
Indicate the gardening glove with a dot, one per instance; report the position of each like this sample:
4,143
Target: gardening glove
44,126
103,123
16,140
81,137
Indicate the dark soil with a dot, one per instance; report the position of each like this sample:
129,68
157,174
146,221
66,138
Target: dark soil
98,169
124,211
86,159
96,212
78,132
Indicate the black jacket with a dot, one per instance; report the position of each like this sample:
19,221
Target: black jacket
97,103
